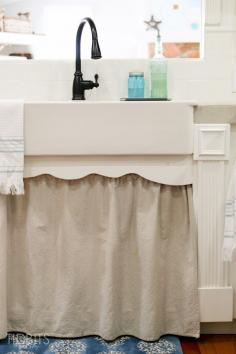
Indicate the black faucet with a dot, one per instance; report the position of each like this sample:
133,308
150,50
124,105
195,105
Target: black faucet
80,85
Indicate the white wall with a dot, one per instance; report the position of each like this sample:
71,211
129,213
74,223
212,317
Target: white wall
210,80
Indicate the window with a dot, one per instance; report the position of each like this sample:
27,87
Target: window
120,24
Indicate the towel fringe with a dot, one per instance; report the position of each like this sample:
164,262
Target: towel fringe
11,186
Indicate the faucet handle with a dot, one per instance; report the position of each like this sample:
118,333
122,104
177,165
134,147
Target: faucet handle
96,76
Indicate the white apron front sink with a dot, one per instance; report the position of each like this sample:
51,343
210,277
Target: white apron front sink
108,128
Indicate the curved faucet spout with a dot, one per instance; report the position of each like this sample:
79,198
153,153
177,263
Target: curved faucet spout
95,51
79,85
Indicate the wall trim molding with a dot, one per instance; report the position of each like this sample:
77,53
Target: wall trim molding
216,304
218,328
213,12
211,152
212,142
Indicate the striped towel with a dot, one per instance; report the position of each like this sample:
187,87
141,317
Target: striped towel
229,248
11,147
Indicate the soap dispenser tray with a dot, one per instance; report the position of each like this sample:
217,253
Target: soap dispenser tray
144,99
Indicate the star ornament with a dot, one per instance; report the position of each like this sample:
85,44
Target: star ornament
153,24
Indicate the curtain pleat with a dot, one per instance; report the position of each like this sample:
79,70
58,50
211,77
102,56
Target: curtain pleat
98,255
3,266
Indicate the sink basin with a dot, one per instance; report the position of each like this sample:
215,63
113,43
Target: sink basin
108,128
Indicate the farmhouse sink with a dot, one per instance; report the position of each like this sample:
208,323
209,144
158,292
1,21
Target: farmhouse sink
108,128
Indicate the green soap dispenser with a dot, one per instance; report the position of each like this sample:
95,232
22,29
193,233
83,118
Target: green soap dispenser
158,73
158,66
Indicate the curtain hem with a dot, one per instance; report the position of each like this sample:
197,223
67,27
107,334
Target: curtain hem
192,334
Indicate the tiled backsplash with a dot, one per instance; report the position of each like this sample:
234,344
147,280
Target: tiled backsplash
210,79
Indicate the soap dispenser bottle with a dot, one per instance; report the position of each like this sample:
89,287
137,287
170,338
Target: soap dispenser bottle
159,72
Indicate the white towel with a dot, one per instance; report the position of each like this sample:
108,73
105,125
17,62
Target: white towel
11,147
229,248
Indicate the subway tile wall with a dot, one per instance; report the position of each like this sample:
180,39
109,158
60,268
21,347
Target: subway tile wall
212,79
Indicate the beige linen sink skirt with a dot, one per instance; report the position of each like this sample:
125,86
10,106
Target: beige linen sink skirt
98,255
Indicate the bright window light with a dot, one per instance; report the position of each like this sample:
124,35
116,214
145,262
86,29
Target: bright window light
120,24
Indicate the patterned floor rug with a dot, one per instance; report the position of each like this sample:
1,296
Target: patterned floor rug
22,344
